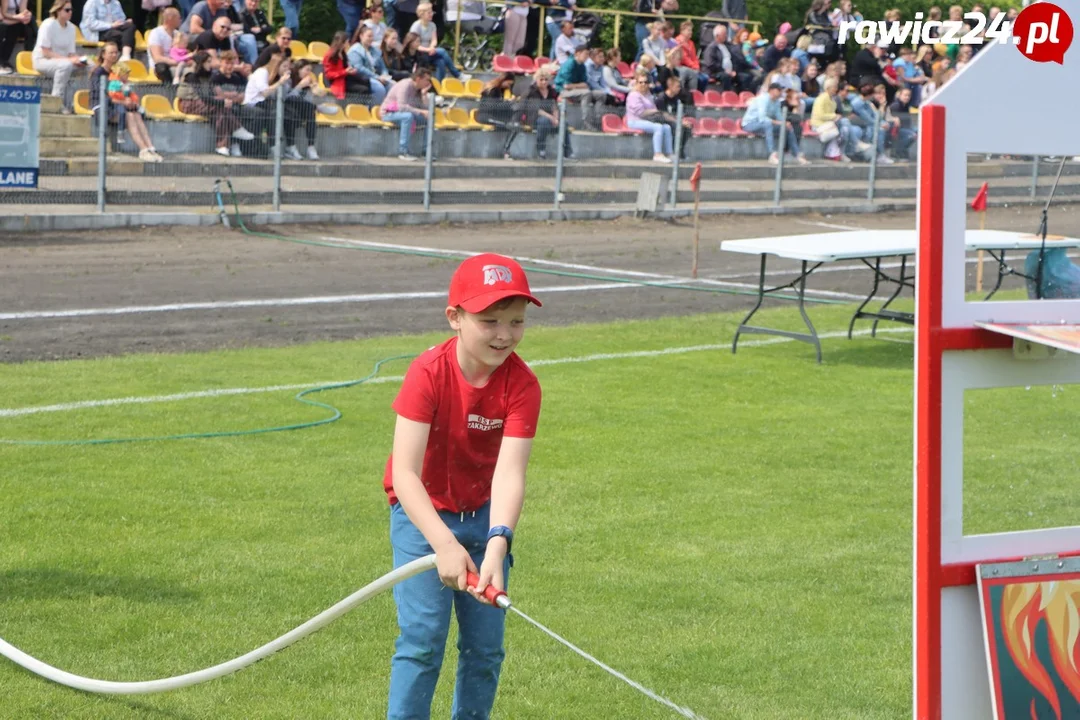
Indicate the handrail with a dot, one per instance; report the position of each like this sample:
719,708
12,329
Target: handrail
597,11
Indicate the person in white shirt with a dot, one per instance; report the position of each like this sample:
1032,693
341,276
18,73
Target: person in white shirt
16,20
54,55
159,43
105,21
565,46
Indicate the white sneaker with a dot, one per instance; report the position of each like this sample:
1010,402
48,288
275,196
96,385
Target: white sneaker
311,153
291,153
243,134
5,70
845,159
774,160
884,160
223,151
235,150
661,159
125,55
406,158
465,77
147,156
802,160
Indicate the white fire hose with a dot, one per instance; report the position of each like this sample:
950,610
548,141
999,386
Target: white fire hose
212,673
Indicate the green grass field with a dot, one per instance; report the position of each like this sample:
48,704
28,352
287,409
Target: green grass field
732,531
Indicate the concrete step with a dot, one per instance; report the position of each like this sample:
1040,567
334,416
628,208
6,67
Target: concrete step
64,126
54,147
50,104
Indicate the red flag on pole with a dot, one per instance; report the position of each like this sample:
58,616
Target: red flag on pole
979,203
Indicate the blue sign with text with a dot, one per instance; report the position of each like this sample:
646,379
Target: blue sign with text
20,122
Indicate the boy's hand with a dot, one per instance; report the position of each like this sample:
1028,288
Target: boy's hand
491,571
453,563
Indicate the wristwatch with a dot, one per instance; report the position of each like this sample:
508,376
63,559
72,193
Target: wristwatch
502,531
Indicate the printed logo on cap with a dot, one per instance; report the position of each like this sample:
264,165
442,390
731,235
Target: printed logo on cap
496,274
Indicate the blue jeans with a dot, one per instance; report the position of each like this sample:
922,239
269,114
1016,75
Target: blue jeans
378,91
661,134
406,121
247,49
423,615
350,13
389,12
291,8
641,31
766,128
904,138
185,7
850,136
545,127
554,30
443,64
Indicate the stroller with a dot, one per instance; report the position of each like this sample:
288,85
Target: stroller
587,29
480,23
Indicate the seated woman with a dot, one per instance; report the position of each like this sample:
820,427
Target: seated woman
541,111
123,105
612,78
368,63
393,57
302,93
337,71
641,114
496,108
429,43
54,54
260,100
16,20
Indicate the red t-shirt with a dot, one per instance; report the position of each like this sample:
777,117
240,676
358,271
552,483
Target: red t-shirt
467,423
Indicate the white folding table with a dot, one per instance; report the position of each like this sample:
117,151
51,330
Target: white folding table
870,247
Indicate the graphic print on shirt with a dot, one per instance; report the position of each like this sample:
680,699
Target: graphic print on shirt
479,422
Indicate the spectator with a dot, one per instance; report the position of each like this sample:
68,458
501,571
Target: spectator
282,45
496,109
198,96
302,99
124,112
594,76
845,12
910,73
612,78
292,8
817,16
16,20
773,53
410,52
924,60
571,83
542,113
260,102
641,114
218,39
368,63
351,13
856,135
734,9
560,13
654,45
905,133
565,45
343,78
865,112
667,31
763,117
963,57
933,15
668,101
257,24
724,65
892,22
796,115
685,41
206,13
105,21
832,130
866,65
160,44
374,18
515,25
674,66
811,86
54,53
801,53
393,57
648,66
648,13
403,106
429,43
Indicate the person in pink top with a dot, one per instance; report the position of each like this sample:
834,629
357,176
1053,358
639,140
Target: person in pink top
641,114
467,414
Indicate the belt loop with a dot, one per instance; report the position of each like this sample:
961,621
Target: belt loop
463,516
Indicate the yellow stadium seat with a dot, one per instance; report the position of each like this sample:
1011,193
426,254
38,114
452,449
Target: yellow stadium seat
442,122
361,115
317,50
140,42
24,63
157,107
459,117
452,87
181,114
300,50
436,85
82,103
473,88
81,40
376,114
139,73
322,83
476,124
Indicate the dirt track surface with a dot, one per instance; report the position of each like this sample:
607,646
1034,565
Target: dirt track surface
129,278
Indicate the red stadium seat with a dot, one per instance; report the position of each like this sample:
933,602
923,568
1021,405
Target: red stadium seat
729,99
625,70
728,127
503,63
808,131
525,64
745,97
709,127
713,99
739,132
699,98
611,123
630,130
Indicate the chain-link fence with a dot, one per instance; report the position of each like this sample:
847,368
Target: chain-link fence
500,143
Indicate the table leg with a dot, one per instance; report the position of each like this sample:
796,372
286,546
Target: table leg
882,313
800,287
1003,270
760,299
873,291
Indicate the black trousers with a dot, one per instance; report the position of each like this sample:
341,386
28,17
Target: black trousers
10,34
124,36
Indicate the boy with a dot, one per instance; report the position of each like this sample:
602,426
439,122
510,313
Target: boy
467,413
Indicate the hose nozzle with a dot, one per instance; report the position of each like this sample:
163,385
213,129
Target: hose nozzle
493,594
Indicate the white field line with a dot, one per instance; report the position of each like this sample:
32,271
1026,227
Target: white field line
831,226
579,267
223,392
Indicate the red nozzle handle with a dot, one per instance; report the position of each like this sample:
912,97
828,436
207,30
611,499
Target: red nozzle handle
491,592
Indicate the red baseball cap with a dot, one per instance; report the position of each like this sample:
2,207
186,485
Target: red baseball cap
483,280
